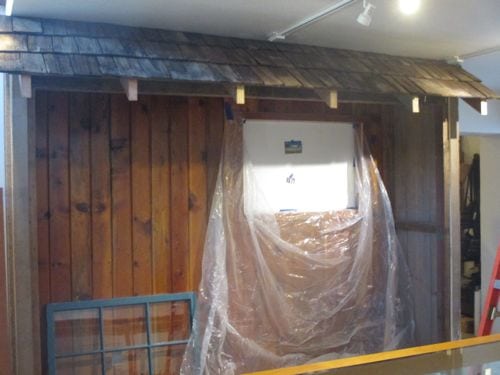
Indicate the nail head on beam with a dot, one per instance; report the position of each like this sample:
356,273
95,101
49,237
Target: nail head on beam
25,85
130,86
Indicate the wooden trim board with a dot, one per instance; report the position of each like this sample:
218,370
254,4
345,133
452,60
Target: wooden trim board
22,262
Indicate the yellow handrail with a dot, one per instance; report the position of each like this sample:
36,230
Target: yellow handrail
380,357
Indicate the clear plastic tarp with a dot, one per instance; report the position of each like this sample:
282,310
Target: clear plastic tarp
280,289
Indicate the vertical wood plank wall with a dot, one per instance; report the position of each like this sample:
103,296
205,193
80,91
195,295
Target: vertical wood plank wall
121,187
123,193
418,209
124,190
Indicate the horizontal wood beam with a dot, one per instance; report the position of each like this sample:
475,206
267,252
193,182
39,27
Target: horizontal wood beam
417,226
176,88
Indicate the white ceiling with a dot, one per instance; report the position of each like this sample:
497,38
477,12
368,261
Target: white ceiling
442,28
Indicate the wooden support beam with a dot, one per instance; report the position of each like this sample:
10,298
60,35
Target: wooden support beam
480,105
415,104
411,103
238,93
25,85
22,260
106,85
484,108
130,86
451,235
330,97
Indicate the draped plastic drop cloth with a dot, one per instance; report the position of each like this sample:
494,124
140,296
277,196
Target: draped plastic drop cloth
280,289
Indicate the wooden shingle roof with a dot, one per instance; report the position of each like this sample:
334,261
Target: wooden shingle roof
45,47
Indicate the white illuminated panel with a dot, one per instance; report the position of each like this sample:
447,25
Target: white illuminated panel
319,178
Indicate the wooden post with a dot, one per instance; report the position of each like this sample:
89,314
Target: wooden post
22,262
451,233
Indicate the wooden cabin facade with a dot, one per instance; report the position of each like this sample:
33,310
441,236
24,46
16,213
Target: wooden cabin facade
114,133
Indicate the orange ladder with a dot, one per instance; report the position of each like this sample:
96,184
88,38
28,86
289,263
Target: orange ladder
490,312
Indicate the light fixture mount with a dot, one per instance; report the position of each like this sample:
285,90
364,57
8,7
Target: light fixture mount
365,17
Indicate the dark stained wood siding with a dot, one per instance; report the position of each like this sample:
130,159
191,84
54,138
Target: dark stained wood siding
121,187
122,194
124,190
418,206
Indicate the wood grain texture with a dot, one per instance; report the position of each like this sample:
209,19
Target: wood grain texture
102,253
121,197
60,242
197,187
148,172
160,192
141,195
122,192
113,187
179,195
79,159
214,136
416,175
43,209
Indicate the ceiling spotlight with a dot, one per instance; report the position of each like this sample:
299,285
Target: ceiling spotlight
365,17
409,6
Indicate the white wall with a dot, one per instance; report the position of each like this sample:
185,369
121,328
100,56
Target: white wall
486,68
490,209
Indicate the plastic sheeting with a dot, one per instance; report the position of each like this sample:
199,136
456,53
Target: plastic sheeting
290,288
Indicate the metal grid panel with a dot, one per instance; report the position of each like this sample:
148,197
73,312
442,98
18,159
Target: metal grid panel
100,305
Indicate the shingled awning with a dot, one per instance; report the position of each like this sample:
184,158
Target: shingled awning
45,47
